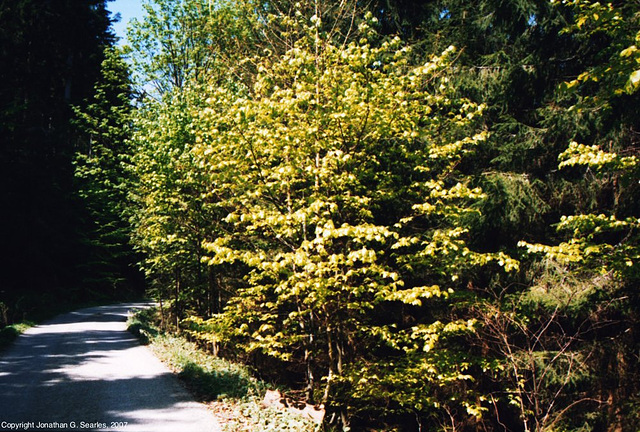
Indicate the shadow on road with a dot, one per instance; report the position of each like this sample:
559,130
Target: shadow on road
83,370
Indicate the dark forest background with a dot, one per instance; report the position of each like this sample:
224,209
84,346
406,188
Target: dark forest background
51,54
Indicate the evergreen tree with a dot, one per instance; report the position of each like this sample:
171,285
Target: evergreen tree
102,180
50,54
597,241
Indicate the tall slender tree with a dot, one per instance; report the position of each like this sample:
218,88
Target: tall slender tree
101,179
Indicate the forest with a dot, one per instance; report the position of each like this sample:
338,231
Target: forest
422,215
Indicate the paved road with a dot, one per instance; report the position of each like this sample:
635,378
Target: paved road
84,371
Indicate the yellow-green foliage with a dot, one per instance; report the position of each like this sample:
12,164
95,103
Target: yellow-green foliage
601,243
593,157
338,174
597,18
320,190
597,242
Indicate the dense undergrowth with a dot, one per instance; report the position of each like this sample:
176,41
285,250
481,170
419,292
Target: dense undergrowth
228,388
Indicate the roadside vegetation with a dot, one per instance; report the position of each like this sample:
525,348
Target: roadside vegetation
421,215
228,388
9,333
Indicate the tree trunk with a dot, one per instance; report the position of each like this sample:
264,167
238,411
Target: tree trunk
214,295
176,304
339,416
163,323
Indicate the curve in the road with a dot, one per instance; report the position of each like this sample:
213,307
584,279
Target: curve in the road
84,371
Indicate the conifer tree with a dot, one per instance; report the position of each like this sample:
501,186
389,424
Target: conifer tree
50,54
102,180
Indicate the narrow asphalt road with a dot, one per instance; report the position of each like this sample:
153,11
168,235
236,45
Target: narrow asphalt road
84,371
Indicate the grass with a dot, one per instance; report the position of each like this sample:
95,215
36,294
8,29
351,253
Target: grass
228,388
9,333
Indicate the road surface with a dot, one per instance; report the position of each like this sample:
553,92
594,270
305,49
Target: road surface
84,371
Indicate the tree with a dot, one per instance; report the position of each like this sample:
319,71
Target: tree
102,181
308,167
312,208
597,241
50,54
169,215
181,42
604,251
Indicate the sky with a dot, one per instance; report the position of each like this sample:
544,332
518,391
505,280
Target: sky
128,9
